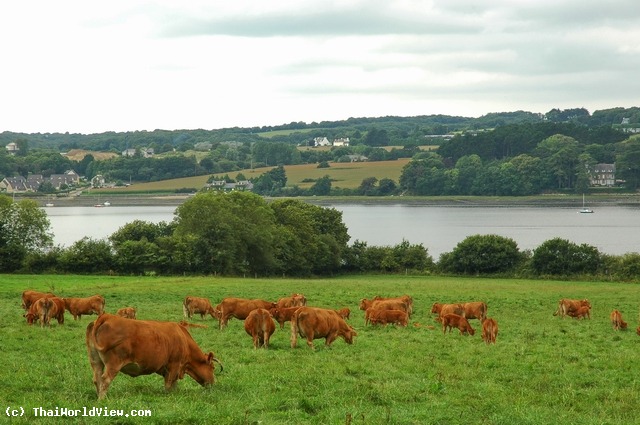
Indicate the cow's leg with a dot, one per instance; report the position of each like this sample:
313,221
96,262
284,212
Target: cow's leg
266,339
330,338
109,373
170,378
255,340
310,336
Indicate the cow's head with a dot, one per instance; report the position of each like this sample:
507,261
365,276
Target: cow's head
436,308
348,335
201,369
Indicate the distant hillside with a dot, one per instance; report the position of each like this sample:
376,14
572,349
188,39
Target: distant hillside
400,130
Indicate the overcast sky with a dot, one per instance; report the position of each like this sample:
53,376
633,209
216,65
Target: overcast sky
94,66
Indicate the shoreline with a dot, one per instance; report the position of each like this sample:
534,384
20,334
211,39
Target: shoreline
555,200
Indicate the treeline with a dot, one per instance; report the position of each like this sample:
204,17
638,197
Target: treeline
240,234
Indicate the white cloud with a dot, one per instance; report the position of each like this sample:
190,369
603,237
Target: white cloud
141,65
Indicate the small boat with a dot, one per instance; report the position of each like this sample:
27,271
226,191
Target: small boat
48,204
106,203
585,209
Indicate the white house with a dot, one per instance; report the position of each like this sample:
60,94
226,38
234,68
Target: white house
343,141
321,141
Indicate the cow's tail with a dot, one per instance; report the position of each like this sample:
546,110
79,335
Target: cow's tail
184,308
102,303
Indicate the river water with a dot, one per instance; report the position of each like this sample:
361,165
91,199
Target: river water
613,230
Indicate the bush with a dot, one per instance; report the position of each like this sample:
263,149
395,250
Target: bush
561,257
482,254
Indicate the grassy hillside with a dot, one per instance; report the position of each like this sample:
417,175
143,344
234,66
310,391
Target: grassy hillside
542,370
344,175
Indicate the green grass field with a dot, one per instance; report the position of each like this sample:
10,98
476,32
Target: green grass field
343,175
542,370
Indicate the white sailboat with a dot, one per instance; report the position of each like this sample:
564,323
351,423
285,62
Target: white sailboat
585,209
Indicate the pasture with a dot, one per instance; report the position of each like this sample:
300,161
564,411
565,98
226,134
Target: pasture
543,369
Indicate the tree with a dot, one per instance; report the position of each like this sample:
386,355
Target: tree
88,255
322,186
479,254
628,162
561,257
24,229
232,233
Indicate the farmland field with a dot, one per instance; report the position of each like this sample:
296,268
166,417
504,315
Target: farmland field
344,175
543,369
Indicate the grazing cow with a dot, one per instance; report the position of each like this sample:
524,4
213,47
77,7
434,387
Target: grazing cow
143,347
282,315
344,313
366,304
201,306
29,297
239,308
616,320
583,312
45,309
442,309
475,310
314,323
383,317
450,321
127,312
259,325
407,299
566,306
489,330
295,300
89,305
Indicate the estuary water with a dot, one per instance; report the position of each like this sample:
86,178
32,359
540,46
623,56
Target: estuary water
612,229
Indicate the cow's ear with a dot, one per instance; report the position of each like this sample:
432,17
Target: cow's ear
209,357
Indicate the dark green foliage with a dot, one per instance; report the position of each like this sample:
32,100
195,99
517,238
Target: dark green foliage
88,256
482,254
564,258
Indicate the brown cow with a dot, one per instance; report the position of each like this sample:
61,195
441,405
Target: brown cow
260,326
282,315
383,317
239,308
407,299
45,309
295,300
127,312
144,347
489,330
567,306
383,305
475,310
344,313
442,309
583,312
89,305
197,305
450,321
29,297
314,323
616,320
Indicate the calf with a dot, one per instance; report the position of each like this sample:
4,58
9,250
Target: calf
259,325
344,313
283,314
616,320
450,321
583,312
127,312
489,330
